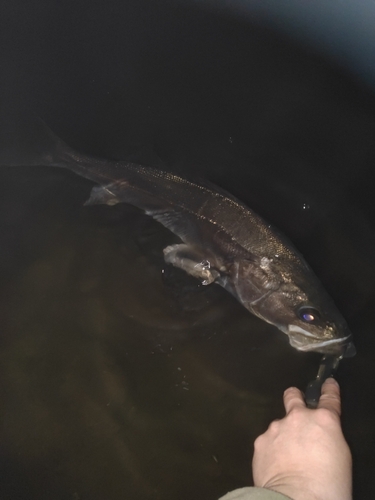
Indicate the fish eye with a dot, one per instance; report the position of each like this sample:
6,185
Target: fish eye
308,314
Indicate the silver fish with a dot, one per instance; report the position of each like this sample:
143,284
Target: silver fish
224,242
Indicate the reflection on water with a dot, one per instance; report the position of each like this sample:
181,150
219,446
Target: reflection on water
122,378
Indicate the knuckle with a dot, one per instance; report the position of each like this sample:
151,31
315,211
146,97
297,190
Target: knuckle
258,443
296,414
330,401
274,426
326,417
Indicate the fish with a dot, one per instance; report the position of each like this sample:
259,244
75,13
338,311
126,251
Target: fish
223,242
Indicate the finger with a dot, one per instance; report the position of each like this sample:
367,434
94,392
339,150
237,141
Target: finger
330,398
293,398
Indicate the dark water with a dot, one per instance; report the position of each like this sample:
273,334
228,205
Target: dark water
121,378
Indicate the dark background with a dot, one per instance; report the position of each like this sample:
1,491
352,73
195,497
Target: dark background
118,380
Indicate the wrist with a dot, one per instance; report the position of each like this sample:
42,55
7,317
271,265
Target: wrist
294,488
298,488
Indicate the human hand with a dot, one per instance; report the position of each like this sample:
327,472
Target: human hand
305,455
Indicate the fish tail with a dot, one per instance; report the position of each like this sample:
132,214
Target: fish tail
55,152
42,147
38,146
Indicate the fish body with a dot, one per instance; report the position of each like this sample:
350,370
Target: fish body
224,242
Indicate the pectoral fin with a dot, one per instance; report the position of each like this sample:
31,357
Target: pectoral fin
192,262
102,195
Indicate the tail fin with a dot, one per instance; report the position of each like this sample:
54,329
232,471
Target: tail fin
32,143
53,151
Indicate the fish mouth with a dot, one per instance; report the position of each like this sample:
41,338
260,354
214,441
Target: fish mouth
304,341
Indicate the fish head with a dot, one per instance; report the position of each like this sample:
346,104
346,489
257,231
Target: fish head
312,332
309,317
